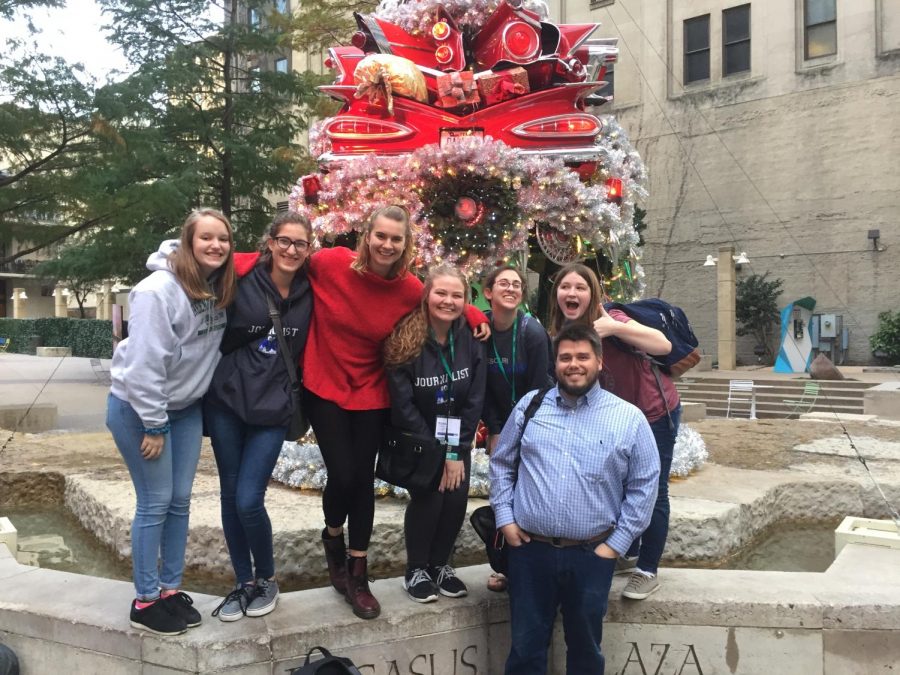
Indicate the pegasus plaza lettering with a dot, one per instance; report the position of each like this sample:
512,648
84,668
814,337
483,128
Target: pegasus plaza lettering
456,661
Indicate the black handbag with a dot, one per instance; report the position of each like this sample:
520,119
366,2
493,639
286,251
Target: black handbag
299,424
410,461
328,665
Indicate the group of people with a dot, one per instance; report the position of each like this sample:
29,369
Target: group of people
579,490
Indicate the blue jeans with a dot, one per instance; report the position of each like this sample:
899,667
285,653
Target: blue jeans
163,486
650,545
246,455
543,578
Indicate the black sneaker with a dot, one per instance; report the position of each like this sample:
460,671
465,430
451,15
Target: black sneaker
158,618
448,583
419,586
180,604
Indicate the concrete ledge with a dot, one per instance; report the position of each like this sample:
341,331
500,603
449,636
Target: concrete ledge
53,351
28,419
883,400
705,621
692,411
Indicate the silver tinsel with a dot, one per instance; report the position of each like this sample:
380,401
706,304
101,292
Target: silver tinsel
300,465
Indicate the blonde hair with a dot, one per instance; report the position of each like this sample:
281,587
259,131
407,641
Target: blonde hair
187,270
557,318
399,214
408,337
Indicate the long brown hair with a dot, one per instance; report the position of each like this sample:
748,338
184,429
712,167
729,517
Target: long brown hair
408,337
399,214
274,229
557,318
186,269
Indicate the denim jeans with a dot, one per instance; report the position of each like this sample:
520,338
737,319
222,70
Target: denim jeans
163,486
543,578
650,545
246,455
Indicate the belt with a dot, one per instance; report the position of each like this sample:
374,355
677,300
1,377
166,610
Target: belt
562,542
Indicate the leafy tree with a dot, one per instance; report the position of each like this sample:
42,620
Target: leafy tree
316,26
885,341
756,308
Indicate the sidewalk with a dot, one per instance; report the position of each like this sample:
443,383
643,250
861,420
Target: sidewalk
70,383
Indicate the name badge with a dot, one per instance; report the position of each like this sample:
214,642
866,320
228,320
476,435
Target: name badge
447,429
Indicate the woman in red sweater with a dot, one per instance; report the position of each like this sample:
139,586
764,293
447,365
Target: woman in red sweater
357,300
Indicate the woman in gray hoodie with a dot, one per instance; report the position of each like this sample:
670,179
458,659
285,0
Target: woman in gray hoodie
159,374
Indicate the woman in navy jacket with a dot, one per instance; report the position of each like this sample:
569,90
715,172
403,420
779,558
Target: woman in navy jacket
249,405
436,376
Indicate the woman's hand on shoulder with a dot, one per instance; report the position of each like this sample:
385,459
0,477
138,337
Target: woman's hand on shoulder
482,331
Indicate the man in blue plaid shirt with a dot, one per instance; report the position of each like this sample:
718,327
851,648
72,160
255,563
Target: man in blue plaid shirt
570,495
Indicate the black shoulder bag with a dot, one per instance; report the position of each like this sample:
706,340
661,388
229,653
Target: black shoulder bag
299,424
328,665
483,521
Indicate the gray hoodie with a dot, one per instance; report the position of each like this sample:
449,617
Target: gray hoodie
171,352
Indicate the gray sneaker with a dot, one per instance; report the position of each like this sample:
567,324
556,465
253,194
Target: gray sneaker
625,565
234,606
264,599
639,586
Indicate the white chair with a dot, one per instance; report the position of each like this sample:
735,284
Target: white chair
740,391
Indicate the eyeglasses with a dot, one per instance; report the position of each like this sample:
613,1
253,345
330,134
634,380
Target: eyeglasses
284,243
504,284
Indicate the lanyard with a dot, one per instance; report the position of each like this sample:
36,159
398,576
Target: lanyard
510,381
446,365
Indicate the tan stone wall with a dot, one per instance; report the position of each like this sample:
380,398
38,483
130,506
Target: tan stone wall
818,139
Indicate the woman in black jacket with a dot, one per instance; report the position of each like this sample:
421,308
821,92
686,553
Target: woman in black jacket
249,404
436,376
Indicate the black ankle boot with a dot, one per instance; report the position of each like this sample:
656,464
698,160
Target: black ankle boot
336,557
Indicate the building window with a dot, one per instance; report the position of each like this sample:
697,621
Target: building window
610,79
281,6
820,28
281,207
253,17
281,65
696,49
736,40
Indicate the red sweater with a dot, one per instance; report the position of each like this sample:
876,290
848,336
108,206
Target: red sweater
353,314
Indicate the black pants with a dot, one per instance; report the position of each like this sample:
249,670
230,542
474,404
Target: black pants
433,520
349,442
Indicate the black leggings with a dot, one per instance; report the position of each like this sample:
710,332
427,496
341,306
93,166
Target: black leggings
433,520
349,442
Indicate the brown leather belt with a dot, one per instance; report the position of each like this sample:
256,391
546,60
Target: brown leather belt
562,542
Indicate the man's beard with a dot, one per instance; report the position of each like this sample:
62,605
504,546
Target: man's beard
575,392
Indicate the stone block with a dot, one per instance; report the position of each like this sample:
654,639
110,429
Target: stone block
28,418
883,400
693,411
54,351
9,535
850,652
705,364
39,655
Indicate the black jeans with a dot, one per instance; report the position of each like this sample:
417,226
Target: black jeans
433,520
349,442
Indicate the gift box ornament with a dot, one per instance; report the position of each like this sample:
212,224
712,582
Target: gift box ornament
456,88
497,86
381,76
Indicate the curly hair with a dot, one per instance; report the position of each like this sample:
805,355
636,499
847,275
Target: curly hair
408,337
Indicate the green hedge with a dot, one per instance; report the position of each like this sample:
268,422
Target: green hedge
87,337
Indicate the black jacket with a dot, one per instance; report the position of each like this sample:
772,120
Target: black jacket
532,368
414,387
251,380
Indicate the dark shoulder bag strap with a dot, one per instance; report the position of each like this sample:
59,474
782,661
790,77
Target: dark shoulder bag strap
275,315
530,410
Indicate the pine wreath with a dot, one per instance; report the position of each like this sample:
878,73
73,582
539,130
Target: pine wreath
470,213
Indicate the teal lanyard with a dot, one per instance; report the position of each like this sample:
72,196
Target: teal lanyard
510,381
446,365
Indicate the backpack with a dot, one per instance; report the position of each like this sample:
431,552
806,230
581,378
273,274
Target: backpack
328,665
672,322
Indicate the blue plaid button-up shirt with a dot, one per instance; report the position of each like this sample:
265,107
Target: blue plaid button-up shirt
580,469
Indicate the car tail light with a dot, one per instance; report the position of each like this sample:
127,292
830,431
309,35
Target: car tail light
359,40
440,30
561,126
443,54
364,129
520,41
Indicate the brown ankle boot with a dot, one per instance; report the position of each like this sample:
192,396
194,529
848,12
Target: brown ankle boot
336,557
364,604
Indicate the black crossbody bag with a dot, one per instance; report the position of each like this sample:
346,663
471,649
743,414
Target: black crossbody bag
299,424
